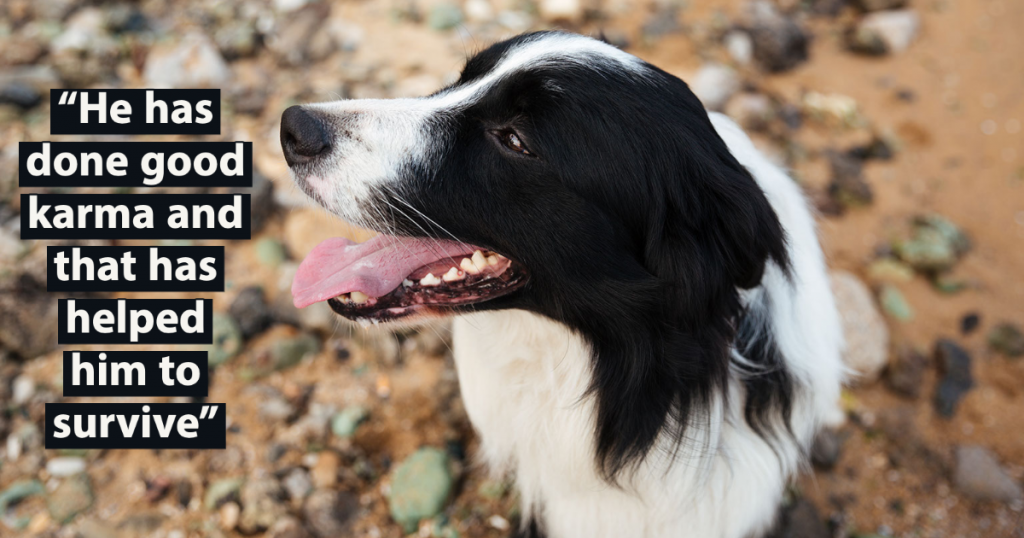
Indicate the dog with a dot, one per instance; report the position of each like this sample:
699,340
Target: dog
644,331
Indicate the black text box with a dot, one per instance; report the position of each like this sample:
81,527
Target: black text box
172,260
113,211
66,109
125,327
136,373
135,164
143,431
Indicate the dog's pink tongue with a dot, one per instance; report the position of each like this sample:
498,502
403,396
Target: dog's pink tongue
375,267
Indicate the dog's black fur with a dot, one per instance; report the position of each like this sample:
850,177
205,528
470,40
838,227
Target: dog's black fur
638,228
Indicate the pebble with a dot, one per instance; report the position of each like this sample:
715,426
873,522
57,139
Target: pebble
20,94
65,466
250,311
420,487
444,16
227,339
1007,338
261,201
740,47
84,53
934,246
827,447
978,475
72,497
222,491
344,423
905,374
29,315
954,366
884,32
753,111
288,352
287,527
867,336
890,271
325,471
270,252
894,304
879,5
969,323
263,500
237,39
19,490
297,484
847,186
299,39
22,389
801,520
330,513
778,41
561,10
229,513
714,84
192,62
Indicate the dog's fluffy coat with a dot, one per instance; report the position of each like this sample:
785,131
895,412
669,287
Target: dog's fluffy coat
667,365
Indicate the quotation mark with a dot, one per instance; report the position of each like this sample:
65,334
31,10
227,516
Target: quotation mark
64,97
212,410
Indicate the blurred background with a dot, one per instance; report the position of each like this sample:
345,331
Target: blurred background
900,118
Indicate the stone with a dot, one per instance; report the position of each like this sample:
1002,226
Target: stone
297,484
1007,338
420,487
142,523
890,271
263,503
978,475
894,304
20,94
28,316
969,323
879,5
85,53
250,311
192,62
227,339
72,497
229,513
270,252
22,389
237,39
222,491
832,109
847,185
18,491
780,44
884,32
905,374
345,422
740,47
867,336
561,10
714,84
956,379
329,513
288,352
293,42
801,520
287,527
325,471
261,201
444,16
827,447
65,466
753,111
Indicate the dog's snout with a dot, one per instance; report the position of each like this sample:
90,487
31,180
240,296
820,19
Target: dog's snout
303,136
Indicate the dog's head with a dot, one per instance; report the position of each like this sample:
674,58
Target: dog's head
558,175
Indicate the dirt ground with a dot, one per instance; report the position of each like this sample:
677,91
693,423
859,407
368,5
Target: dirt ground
950,106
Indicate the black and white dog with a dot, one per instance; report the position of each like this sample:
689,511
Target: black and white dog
645,336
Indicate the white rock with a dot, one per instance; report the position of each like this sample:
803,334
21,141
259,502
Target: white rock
65,466
867,336
714,84
561,10
82,31
740,47
192,62
479,11
897,29
284,6
22,389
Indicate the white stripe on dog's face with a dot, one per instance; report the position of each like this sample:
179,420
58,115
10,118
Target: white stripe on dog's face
374,140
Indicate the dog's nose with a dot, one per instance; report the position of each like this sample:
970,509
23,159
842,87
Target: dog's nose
303,136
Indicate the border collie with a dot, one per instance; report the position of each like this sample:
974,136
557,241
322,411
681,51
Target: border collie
644,332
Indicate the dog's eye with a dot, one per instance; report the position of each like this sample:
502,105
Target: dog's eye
512,141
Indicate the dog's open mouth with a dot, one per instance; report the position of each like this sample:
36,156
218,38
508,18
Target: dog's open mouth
389,277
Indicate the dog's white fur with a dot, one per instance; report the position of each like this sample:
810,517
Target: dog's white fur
524,378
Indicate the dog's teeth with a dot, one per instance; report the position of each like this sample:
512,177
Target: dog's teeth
479,261
407,283
359,297
468,267
492,260
430,280
453,274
